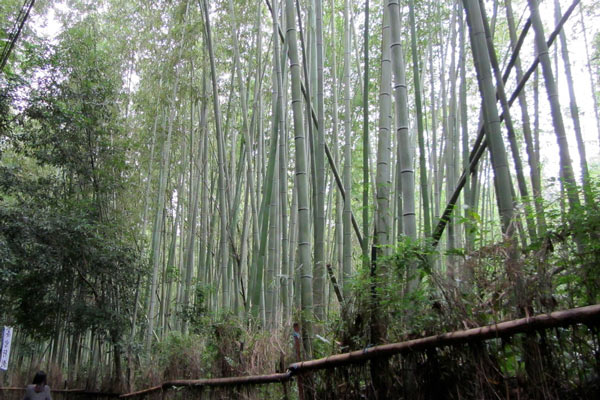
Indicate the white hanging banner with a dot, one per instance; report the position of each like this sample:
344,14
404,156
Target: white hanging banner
6,342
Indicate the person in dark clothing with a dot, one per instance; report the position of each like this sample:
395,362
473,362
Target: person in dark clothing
38,390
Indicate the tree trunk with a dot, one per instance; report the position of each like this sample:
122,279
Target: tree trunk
585,174
557,120
420,129
534,164
301,182
509,123
339,205
347,214
319,151
383,216
492,121
223,206
590,73
365,166
404,146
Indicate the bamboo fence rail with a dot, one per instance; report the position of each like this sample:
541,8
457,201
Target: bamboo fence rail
589,315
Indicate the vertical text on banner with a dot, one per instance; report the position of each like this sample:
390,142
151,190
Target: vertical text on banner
6,342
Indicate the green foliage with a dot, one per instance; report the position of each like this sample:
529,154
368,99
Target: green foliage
62,266
408,311
568,254
66,259
71,121
196,314
182,356
385,301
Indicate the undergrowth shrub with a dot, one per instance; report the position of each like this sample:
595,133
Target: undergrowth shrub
181,357
223,347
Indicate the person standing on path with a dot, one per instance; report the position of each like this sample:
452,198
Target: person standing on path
38,390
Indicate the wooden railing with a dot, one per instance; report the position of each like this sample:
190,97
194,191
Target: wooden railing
7,393
589,315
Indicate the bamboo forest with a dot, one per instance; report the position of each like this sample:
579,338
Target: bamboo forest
300,199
